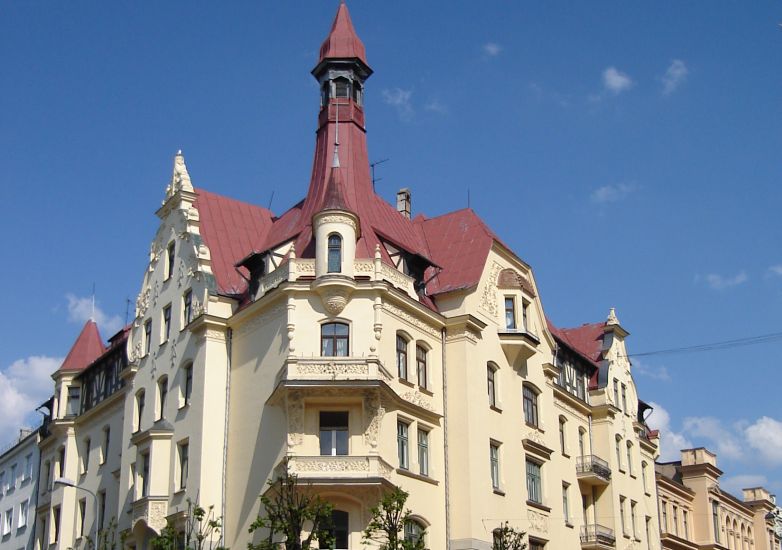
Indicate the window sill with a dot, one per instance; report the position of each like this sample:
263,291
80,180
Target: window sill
621,470
625,535
569,525
406,382
426,391
534,427
632,475
183,407
495,408
180,491
408,473
499,492
538,505
564,454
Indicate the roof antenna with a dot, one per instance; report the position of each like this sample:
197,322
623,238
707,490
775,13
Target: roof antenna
372,166
269,208
468,197
127,309
92,313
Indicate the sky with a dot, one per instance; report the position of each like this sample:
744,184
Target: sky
629,152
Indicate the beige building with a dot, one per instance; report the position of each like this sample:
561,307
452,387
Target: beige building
695,514
361,348
18,483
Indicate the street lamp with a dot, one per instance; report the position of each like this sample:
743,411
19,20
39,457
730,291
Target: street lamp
65,482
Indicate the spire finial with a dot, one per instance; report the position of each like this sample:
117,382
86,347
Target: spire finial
180,178
612,319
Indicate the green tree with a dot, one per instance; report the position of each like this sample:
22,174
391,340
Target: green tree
508,538
387,524
202,531
290,509
107,538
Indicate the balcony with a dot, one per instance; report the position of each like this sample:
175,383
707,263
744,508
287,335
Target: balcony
597,537
339,470
593,470
518,343
152,510
332,368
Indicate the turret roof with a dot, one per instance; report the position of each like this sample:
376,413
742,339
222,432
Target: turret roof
87,347
342,41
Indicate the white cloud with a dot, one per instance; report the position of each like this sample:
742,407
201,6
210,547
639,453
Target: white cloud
724,442
674,76
671,442
765,437
615,81
775,270
436,106
80,310
651,371
734,484
613,192
492,49
721,282
401,100
24,385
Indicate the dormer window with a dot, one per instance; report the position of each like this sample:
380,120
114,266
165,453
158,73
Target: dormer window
335,253
341,88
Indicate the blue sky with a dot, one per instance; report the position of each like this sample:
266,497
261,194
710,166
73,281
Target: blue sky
630,153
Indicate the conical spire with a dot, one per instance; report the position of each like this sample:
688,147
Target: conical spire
342,42
87,348
612,318
180,179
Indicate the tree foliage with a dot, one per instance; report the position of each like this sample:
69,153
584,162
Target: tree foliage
387,523
508,538
107,538
202,531
290,510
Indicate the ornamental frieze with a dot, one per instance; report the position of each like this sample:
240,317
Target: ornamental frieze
405,316
538,522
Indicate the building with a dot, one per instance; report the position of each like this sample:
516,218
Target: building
360,348
695,514
18,486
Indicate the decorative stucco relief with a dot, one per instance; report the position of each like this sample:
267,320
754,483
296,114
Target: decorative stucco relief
418,399
332,368
537,522
373,415
489,294
536,436
405,316
294,405
336,218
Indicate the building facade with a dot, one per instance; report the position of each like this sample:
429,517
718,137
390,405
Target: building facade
358,347
18,485
695,514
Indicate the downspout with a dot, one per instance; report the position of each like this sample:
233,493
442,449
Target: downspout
229,350
445,445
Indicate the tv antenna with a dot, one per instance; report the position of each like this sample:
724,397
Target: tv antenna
372,166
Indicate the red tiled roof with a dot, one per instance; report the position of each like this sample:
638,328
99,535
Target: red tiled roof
586,339
85,350
342,41
459,243
231,229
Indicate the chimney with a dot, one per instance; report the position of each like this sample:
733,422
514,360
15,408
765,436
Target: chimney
403,205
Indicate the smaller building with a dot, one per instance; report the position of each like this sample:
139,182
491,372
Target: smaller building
695,514
18,483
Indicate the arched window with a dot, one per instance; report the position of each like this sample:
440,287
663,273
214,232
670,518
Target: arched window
414,531
619,452
334,340
630,458
401,356
140,398
582,447
187,384
335,253
491,383
644,476
340,522
421,366
530,398
162,396
562,435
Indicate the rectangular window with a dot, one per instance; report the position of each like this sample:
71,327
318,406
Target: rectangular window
61,462
147,336
166,322
101,509
715,518
530,402
562,436
616,393
187,308
622,517
510,313
565,503
3,488
632,518
8,521
163,388
188,387
140,402
333,433
334,340
423,452
401,357
82,515
184,464
85,459
649,531
28,467
170,259
685,525
629,458
619,454
675,519
402,447
104,451
581,442
664,518
56,523
74,401
12,478
524,318
23,509
535,545
420,360
144,474
494,458
534,492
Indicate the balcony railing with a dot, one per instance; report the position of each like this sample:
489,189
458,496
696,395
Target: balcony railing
338,469
591,465
596,534
333,368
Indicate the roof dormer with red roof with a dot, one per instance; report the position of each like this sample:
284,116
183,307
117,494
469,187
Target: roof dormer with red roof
86,349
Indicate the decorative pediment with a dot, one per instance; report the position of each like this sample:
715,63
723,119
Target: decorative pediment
512,279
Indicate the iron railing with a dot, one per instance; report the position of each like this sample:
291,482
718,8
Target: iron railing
596,533
591,464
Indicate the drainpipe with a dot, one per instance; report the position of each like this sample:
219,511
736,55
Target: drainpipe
445,445
229,349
